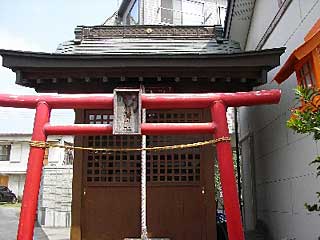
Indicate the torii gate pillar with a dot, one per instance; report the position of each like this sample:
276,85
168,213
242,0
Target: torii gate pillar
226,169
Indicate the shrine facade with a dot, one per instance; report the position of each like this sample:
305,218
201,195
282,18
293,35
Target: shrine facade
157,59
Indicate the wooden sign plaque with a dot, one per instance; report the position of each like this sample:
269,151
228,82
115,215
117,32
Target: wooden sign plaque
127,112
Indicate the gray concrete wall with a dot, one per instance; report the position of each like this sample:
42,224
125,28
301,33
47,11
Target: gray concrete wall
284,180
55,202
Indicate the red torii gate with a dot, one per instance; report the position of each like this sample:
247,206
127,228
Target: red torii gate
217,102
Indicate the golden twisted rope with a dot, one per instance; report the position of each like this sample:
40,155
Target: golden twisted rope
42,144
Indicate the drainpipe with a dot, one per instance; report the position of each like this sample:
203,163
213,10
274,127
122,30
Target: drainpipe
236,129
141,15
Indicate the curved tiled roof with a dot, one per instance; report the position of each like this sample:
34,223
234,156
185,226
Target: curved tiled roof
119,46
151,39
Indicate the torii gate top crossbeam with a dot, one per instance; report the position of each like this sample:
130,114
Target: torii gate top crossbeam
149,101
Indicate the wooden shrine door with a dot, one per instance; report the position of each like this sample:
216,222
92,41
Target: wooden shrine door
180,190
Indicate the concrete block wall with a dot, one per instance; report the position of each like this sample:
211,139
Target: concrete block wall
284,180
55,200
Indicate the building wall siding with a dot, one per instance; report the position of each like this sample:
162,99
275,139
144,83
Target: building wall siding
284,180
152,12
260,22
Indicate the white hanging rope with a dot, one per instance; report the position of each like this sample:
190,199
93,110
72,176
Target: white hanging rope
144,230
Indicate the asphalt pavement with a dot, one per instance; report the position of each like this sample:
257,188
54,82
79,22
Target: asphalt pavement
9,219
8,222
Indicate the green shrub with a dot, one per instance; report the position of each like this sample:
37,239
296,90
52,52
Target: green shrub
305,119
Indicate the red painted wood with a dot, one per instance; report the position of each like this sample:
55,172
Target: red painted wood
33,177
149,101
176,128
228,181
176,101
146,129
78,129
61,101
217,102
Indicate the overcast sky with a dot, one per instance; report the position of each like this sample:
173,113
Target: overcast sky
40,25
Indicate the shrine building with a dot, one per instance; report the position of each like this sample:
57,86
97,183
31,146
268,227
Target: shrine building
158,59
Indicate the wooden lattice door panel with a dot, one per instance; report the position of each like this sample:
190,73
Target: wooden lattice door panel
176,116
107,167
175,204
175,166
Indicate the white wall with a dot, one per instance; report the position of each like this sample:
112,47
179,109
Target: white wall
16,167
56,155
20,151
16,184
18,155
284,180
152,13
264,12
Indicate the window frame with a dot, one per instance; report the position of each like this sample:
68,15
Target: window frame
5,157
181,12
302,76
167,10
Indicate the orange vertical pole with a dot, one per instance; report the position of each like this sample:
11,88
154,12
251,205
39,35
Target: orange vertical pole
33,177
228,181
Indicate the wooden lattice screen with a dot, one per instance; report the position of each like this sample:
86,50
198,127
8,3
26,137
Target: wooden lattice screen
124,168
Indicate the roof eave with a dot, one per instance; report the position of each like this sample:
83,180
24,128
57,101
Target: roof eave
308,46
286,70
20,59
300,53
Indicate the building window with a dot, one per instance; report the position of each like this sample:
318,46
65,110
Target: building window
305,74
185,12
133,16
5,152
167,11
68,155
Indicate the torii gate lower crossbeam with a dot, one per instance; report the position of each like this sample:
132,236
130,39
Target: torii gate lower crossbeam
218,102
